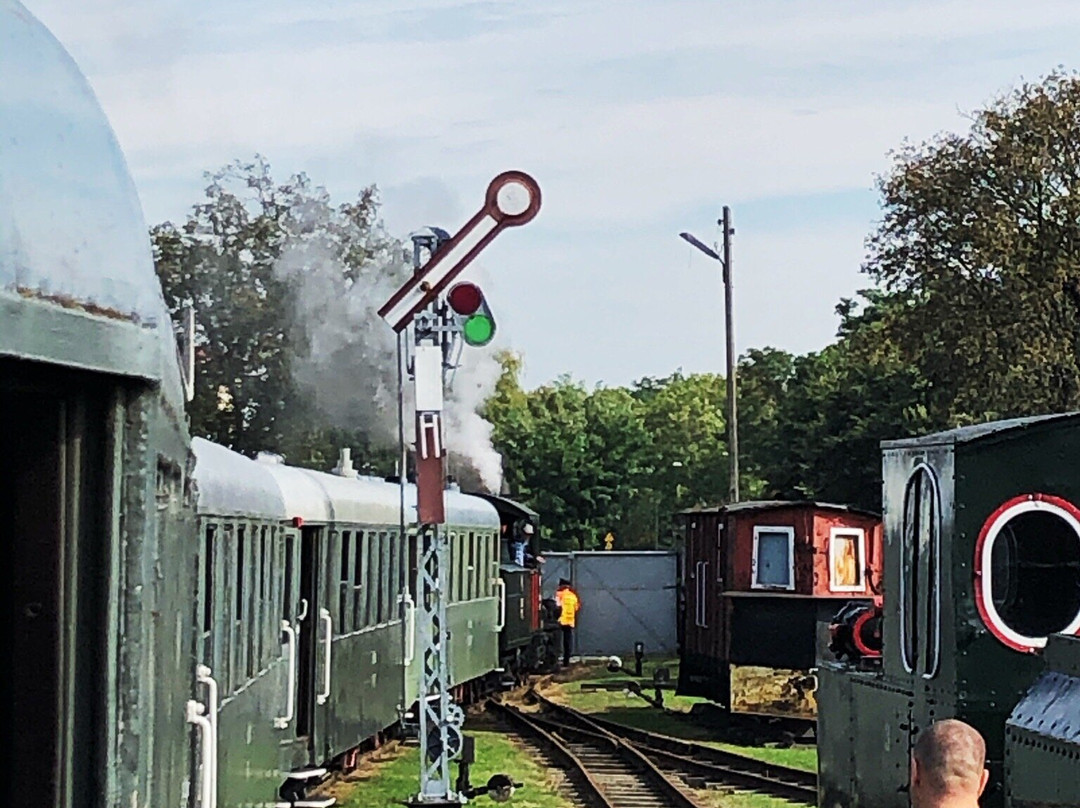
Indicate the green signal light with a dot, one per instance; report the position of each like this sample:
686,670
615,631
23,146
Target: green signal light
478,329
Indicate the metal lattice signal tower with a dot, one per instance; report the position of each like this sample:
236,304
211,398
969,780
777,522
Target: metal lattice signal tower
512,199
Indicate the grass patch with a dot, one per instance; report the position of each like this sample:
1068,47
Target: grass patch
800,757
390,782
633,711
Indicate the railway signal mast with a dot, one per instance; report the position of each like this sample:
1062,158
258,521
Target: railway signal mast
439,324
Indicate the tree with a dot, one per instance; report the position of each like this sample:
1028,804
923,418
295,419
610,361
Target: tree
978,259
284,283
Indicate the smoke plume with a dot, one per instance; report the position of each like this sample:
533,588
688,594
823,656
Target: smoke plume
347,354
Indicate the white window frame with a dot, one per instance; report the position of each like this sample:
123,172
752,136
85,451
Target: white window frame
984,575
790,531
847,532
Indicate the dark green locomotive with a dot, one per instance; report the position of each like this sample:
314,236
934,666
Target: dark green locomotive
982,563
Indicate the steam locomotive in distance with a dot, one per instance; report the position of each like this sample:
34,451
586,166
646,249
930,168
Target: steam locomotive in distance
980,619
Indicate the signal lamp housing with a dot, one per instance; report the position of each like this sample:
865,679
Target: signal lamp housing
473,315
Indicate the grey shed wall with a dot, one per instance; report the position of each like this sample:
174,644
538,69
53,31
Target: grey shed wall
626,597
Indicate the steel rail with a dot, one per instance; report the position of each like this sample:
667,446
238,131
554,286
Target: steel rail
610,761
740,771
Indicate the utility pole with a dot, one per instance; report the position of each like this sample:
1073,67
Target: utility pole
729,327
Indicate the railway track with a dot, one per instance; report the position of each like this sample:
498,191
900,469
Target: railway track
694,762
605,771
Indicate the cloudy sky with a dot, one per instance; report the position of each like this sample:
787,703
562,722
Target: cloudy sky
639,118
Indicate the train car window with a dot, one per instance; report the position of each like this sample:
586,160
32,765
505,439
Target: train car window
909,574
773,565
930,550
371,577
393,579
252,625
359,618
473,592
287,597
240,612
262,627
1028,571
485,565
847,559
384,578
344,582
920,574
208,584
701,614
452,544
463,565
273,594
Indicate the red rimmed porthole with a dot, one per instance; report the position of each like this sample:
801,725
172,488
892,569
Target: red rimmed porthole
1027,570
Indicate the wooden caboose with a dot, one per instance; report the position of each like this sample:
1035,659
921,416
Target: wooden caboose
760,581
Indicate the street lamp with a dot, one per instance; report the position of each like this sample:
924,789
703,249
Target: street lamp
729,327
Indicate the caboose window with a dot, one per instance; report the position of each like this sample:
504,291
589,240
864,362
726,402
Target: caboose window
774,558
847,559
1028,571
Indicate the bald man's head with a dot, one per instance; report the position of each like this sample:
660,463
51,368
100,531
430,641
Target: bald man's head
949,760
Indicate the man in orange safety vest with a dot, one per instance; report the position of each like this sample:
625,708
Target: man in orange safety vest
568,603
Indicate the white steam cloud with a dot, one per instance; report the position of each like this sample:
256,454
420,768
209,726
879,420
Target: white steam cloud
348,354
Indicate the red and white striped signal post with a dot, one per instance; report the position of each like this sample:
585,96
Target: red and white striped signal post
512,199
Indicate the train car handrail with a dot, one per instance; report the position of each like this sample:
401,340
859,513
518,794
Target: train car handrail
204,676
282,721
328,642
195,714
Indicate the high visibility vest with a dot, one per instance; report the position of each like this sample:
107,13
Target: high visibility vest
569,604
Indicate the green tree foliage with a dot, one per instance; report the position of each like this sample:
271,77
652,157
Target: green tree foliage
978,257
224,260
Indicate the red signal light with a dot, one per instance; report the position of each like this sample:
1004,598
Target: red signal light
465,298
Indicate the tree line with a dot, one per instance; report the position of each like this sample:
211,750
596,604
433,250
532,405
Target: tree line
971,313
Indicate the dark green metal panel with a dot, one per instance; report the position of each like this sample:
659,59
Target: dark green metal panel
366,685
863,739
1042,737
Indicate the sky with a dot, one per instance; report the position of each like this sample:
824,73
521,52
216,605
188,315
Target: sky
638,118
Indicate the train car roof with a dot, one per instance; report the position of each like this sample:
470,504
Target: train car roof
320,497
73,240
775,504
976,432
230,484
514,509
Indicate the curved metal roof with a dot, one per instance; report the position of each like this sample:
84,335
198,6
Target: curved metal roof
776,504
230,484
513,508
320,497
71,225
76,269
976,432
303,495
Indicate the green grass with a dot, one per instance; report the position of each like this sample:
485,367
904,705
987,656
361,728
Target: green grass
633,711
802,757
397,779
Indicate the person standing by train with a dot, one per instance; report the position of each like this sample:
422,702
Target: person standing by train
948,766
520,545
569,604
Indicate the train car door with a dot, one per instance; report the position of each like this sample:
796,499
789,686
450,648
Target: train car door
57,478
311,629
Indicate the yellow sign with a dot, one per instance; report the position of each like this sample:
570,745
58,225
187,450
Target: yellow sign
609,541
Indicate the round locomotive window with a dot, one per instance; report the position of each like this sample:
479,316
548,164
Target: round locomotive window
1028,571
